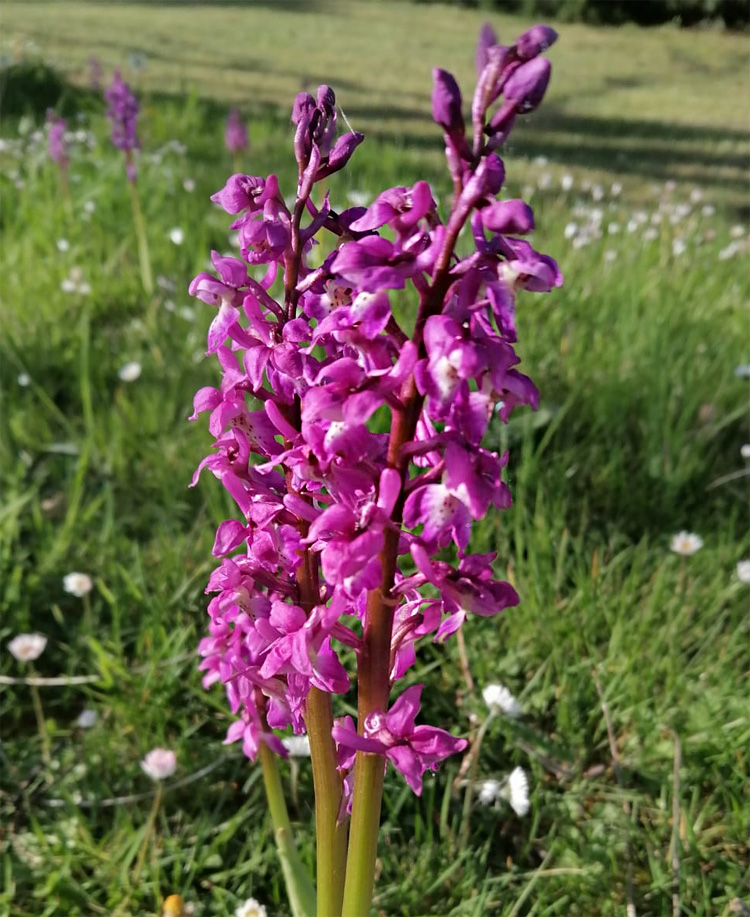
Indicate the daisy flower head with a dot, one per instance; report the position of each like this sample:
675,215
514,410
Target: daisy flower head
685,543
489,790
78,584
130,371
27,647
297,746
159,763
499,700
250,908
517,791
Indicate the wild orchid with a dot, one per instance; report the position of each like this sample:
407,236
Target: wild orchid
335,569
123,114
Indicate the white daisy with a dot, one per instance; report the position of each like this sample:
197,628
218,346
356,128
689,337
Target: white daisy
250,908
159,763
517,791
27,647
297,746
78,584
499,700
685,543
130,371
489,790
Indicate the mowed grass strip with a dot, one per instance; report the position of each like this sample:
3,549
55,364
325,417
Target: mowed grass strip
638,436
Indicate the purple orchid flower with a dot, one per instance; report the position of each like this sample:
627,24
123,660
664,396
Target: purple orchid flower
411,749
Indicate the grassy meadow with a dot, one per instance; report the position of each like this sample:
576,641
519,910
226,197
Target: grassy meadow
630,662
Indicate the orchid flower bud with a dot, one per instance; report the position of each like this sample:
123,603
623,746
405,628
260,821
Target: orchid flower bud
513,216
340,154
446,102
526,85
534,41
487,38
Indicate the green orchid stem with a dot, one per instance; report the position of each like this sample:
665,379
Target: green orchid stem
140,231
369,773
41,725
331,835
298,885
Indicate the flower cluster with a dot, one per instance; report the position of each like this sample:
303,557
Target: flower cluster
123,115
235,133
341,539
57,146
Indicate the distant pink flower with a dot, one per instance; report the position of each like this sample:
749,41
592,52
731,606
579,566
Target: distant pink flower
235,133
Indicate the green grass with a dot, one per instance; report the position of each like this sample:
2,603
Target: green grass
638,436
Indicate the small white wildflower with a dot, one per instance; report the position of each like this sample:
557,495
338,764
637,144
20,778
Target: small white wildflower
130,371
24,380
189,185
176,235
517,791
63,245
169,305
358,198
499,700
743,572
685,543
86,719
737,231
613,229
566,182
571,230
742,371
68,286
616,189
597,192
250,908
679,247
77,584
728,252
650,234
708,210
27,647
489,790
186,313
159,763
745,451
540,161
89,206
596,215
297,746
632,225
610,255
545,181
